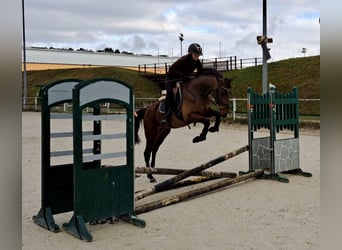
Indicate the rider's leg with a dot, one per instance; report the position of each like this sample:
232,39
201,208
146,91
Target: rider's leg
169,99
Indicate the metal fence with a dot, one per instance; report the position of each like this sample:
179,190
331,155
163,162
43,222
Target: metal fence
220,64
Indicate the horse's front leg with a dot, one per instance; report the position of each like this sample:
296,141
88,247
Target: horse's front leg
216,126
203,134
195,117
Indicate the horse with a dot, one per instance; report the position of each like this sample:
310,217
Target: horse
196,94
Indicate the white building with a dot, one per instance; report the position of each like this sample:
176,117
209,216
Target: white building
55,56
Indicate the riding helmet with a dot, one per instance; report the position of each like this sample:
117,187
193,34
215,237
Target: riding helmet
195,48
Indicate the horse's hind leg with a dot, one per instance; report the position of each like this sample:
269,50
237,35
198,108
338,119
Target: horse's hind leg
151,133
147,151
162,134
147,157
203,134
215,128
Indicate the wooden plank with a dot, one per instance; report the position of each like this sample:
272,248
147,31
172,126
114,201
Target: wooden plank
165,184
171,171
189,194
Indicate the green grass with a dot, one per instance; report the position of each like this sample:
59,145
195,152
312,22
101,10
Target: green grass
301,72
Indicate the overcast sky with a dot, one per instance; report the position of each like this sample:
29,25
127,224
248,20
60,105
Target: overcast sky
222,27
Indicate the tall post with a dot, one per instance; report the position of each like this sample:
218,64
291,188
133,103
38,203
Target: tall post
220,49
181,47
24,57
181,38
264,59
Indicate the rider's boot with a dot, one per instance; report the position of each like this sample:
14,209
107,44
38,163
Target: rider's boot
168,108
169,104
166,118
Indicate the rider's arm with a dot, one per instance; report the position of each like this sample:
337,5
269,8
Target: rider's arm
177,68
199,67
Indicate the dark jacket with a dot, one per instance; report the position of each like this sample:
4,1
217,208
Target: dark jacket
184,67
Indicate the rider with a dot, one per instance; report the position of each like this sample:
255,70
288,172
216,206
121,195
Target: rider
179,70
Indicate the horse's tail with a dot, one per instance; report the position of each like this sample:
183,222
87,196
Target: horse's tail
139,117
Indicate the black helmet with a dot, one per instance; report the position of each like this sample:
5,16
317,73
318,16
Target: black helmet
195,48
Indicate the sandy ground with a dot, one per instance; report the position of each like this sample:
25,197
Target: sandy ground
257,214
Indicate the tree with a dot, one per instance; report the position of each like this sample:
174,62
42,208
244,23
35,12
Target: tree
108,50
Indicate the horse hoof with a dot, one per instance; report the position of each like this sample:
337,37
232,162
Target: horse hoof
213,129
153,180
198,139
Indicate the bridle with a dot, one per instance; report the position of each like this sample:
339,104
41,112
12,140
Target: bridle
216,99
214,93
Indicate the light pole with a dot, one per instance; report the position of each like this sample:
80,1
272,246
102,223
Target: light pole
264,57
181,38
24,55
158,56
304,51
220,49
263,40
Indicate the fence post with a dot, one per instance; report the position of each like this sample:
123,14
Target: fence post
165,68
234,108
36,103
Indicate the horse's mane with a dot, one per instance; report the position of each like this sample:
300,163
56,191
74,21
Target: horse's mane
210,71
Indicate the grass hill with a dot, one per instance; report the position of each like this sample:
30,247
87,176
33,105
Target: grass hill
142,87
301,72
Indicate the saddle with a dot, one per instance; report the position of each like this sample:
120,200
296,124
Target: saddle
178,102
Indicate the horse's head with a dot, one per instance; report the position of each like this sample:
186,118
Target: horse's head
210,83
222,93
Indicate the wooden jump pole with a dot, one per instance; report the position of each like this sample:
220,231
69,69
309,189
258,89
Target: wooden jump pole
170,171
165,184
186,195
192,181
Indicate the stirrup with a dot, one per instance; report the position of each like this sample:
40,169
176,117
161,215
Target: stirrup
166,117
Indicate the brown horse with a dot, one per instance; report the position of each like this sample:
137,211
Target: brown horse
197,93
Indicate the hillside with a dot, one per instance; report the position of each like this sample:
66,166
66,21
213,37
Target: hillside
142,87
301,72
